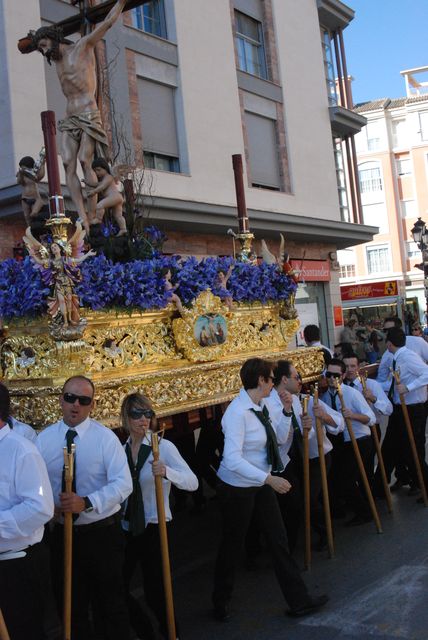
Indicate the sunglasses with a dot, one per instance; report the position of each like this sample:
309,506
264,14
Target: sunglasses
136,414
330,374
71,398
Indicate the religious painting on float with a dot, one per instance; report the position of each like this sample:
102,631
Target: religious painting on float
210,330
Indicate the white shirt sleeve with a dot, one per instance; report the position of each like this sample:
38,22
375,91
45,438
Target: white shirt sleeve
178,471
418,369
233,424
382,404
337,417
119,481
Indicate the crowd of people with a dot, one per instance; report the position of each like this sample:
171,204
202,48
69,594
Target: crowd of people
259,487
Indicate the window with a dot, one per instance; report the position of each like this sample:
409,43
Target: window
378,259
263,151
423,121
347,271
250,46
158,126
374,135
370,177
404,166
150,18
341,181
330,74
408,209
376,215
413,250
399,133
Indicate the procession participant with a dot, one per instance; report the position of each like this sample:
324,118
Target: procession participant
288,379
413,385
140,517
22,429
103,482
246,484
26,504
312,336
347,481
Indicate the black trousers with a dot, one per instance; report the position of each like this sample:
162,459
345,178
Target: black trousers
144,550
98,556
396,449
24,587
237,506
349,484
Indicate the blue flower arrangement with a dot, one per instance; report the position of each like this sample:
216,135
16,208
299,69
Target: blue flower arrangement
139,284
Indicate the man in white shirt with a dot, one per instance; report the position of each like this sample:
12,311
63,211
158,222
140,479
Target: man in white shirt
102,483
312,336
347,481
26,504
414,379
22,429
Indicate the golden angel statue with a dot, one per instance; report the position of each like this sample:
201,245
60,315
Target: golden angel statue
59,269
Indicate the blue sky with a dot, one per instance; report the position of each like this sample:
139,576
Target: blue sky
385,37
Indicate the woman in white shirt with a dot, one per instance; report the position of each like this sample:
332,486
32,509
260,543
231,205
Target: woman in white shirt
247,486
140,519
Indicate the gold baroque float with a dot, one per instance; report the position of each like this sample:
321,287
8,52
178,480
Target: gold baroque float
180,363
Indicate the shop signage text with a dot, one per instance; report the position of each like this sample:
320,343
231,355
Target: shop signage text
369,290
312,270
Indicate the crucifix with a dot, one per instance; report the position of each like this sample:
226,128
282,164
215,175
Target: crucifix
83,135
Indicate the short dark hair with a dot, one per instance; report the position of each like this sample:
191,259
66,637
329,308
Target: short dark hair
311,333
252,370
395,319
338,363
4,402
282,368
28,162
102,163
88,380
396,336
351,354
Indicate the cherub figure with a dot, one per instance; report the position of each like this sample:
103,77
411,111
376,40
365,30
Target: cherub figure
29,174
170,289
26,358
59,270
283,260
221,289
110,195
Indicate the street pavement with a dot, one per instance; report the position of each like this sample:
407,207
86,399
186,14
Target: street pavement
377,583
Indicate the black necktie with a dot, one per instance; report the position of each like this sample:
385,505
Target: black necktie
351,383
69,437
391,388
134,513
333,401
297,445
272,451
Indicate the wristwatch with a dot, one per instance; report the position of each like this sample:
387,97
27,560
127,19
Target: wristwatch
287,414
88,505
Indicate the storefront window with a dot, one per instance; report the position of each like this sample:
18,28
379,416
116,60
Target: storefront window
311,307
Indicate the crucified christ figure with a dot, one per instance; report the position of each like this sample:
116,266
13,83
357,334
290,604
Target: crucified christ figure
83,136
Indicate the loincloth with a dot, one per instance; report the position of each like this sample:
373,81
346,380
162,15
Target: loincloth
90,123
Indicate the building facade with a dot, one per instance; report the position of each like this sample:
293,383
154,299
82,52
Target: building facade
184,86
392,152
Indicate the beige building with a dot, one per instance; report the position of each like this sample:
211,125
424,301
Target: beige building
189,85
392,154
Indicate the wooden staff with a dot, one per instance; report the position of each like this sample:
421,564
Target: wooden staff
359,461
68,542
166,567
363,379
4,634
324,483
306,487
411,436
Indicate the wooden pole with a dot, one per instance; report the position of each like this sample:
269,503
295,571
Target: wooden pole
4,634
56,201
411,436
306,487
240,193
379,455
68,543
166,567
360,462
324,483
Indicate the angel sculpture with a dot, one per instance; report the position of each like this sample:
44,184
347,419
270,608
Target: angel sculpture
283,260
59,270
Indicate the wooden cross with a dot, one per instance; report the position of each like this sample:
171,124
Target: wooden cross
87,16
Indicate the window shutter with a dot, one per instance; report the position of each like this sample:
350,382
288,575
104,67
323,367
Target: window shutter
262,150
158,117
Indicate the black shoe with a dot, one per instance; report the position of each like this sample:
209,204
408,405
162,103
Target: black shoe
310,607
221,613
413,491
357,520
397,486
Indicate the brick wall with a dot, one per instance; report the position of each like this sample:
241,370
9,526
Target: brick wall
11,232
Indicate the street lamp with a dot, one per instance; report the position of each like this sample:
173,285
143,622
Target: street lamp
420,236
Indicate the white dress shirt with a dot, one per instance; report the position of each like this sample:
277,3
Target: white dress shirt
413,373
382,406
102,471
244,462
414,343
178,473
275,408
312,436
26,501
355,401
23,429
321,346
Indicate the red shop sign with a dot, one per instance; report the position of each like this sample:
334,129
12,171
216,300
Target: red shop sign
369,290
312,270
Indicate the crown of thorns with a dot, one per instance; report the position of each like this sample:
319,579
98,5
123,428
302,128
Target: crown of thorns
53,32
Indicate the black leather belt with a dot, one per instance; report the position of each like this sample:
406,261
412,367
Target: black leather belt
98,524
